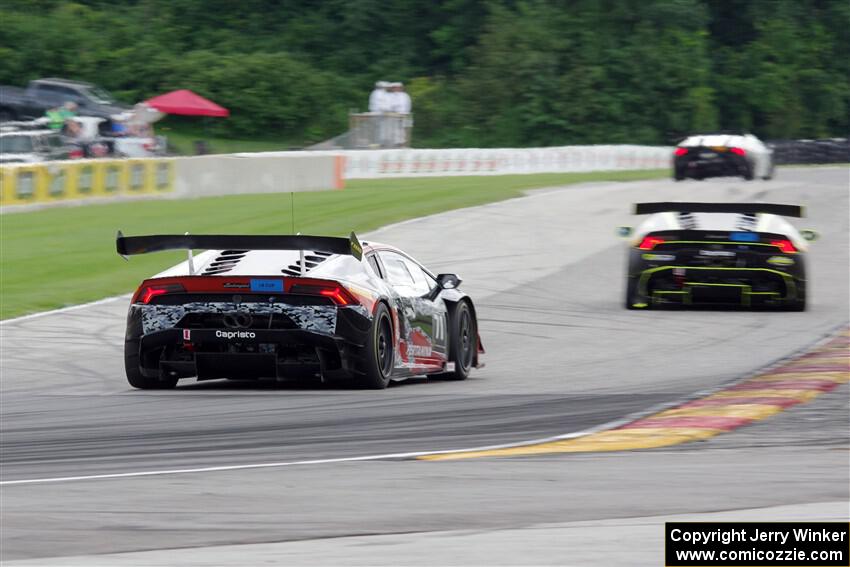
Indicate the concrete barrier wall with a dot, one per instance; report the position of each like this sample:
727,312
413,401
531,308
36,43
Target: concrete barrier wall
25,186
233,174
274,172
375,164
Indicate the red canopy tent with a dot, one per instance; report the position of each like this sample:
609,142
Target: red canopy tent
187,103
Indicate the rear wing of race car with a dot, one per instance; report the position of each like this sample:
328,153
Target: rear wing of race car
132,245
795,211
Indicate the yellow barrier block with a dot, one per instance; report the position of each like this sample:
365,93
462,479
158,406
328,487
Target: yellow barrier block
7,186
81,180
110,178
22,184
139,180
161,172
63,180
57,177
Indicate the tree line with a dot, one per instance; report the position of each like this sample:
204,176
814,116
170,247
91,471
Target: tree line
483,73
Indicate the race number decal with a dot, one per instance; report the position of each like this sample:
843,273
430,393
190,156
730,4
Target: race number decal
439,327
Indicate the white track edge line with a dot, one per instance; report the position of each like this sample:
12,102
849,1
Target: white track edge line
40,314
387,456
826,337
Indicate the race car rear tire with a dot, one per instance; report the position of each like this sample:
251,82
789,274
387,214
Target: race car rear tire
379,350
631,293
748,173
463,342
799,302
771,173
134,371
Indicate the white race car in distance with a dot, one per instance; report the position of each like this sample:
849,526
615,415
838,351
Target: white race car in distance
722,155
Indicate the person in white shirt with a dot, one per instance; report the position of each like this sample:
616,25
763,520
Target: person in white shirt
402,99
379,104
379,99
401,104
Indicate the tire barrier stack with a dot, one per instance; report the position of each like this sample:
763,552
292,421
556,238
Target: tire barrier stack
831,150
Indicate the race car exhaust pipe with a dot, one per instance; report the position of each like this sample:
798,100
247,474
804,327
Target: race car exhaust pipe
237,320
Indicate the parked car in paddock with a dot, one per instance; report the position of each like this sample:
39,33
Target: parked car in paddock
34,146
737,254
722,155
41,95
287,307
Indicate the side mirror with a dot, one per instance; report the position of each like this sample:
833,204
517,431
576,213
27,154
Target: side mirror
624,231
809,235
448,281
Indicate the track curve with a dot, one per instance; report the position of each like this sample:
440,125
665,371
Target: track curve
562,354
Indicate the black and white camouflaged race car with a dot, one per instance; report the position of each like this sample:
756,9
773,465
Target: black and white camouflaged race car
289,307
737,254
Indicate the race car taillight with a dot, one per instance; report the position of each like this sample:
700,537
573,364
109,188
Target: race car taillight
785,245
336,293
147,293
75,154
680,151
738,151
650,242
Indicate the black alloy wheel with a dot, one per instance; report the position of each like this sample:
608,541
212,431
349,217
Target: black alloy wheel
380,353
463,342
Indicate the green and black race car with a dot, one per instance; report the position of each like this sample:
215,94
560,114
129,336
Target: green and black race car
733,254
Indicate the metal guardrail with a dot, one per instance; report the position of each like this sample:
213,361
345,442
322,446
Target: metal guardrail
831,150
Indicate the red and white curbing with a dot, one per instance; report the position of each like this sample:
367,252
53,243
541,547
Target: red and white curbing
796,381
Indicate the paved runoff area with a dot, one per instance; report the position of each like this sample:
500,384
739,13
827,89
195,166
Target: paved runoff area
94,473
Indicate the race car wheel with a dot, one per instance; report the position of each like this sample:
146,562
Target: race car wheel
134,371
463,342
798,303
379,350
748,173
631,293
770,173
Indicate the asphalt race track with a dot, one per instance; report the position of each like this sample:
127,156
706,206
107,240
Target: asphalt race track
563,356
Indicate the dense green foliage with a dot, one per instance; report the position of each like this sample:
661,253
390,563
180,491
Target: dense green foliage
481,72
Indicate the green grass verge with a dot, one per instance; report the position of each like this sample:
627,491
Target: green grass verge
64,256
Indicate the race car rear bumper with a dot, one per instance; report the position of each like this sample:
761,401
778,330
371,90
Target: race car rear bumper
721,165
228,353
696,285
281,354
